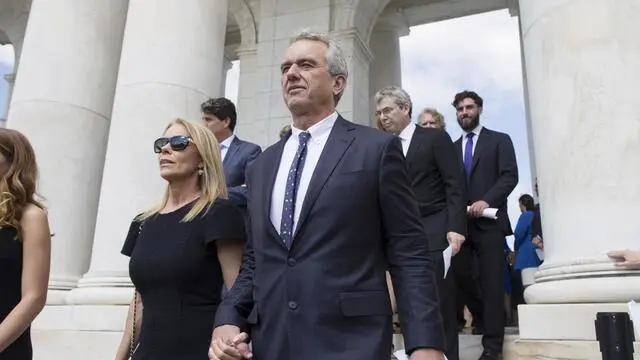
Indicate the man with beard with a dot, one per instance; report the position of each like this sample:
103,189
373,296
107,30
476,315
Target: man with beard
492,173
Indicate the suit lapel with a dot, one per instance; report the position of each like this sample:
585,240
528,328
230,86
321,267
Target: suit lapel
339,140
233,148
271,163
414,146
483,137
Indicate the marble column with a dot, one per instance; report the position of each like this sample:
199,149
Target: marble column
386,67
247,92
165,72
582,76
227,64
10,79
62,102
354,104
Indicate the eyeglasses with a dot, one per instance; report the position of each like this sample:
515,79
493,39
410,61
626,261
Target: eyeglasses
177,143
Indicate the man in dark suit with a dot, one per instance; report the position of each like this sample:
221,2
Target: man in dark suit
438,182
219,116
489,161
331,210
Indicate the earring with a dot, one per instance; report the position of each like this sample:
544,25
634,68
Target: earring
200,171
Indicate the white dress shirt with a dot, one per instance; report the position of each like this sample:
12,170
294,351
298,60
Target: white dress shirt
405,137
224,146
476,131
319,135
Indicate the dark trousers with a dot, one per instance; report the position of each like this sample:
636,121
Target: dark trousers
447,295
468,292
488,247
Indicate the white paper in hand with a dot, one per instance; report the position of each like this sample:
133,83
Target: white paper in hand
402,355
489,213
446,255
634,313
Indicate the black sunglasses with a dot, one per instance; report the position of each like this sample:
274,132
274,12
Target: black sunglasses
177,143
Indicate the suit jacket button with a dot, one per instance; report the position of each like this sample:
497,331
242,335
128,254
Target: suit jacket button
291,262
293,305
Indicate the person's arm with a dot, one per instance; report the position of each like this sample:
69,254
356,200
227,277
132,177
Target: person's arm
412,271
238,303
36,259
508,169
124,348
230,257
454,183
522,229
238,194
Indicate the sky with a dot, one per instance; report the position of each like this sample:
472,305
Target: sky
479,52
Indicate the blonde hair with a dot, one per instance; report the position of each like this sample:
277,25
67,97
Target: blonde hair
211,181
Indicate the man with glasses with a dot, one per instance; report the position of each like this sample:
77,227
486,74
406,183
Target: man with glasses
438,183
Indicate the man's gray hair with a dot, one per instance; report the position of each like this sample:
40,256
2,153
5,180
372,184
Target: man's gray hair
398,94
336,63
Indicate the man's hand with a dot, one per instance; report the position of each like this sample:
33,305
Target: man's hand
477,208
627,259
426,354
455,240
537,241
228,343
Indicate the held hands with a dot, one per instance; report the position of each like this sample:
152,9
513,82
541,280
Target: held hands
537,241
627,259
455,240
477,208
228,343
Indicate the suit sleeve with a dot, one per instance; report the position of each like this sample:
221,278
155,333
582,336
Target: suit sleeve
508,173
454,182
238,303
412,271
536,227
238,194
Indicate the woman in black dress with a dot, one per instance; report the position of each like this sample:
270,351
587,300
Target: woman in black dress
183,250
25,246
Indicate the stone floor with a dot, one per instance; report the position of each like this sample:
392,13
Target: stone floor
471,345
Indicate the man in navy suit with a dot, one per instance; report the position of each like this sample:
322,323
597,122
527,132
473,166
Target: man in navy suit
219,116
331,209
491,170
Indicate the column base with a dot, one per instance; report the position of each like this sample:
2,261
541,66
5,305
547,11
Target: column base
57,297
551,349
102,289
555,322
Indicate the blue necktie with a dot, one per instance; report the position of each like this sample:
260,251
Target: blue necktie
468,155
293,179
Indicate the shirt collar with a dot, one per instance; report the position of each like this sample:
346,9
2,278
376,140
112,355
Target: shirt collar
475,131
227,142
407,133
319,130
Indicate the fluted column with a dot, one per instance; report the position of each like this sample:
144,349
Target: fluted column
247,92
227,64
62,102
582,78
171,60
386,67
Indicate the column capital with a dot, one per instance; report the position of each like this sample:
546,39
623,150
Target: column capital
244,51
358,42
395,21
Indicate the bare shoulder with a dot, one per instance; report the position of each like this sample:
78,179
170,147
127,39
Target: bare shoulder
34,217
